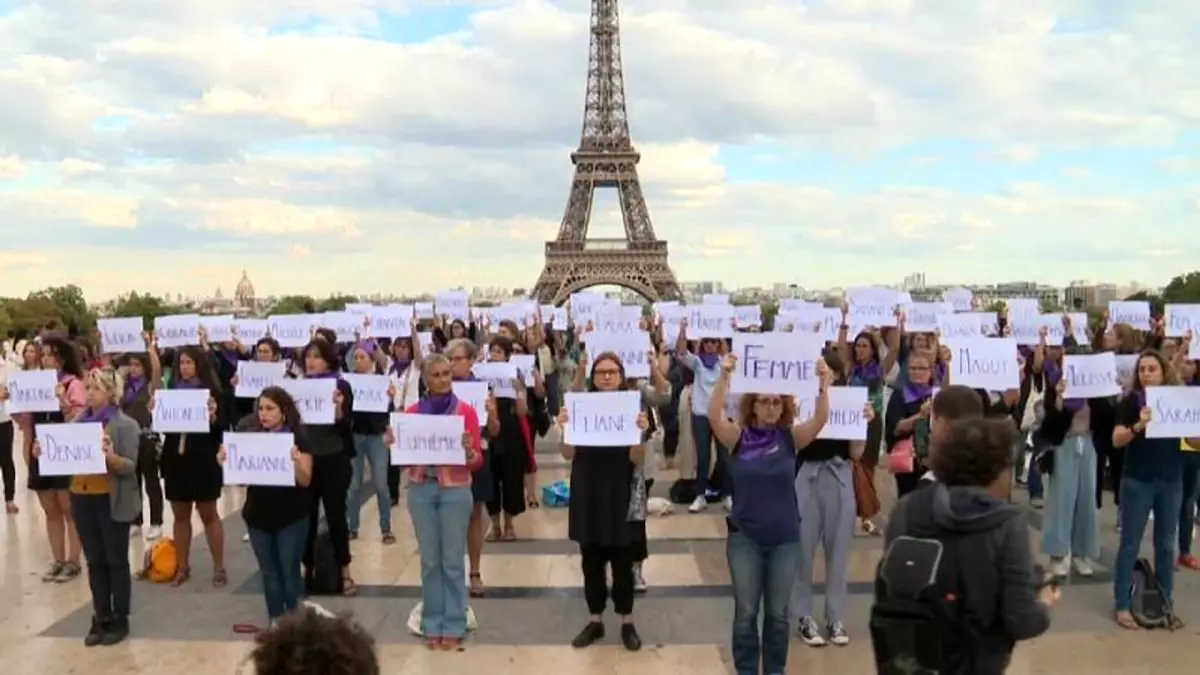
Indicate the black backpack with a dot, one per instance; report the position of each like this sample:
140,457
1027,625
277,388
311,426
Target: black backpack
1148,601
919,621
325,575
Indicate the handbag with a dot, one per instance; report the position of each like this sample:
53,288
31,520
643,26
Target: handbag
866,499
902,457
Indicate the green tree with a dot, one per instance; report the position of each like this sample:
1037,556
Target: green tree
1183,288
72,308
1156,302
997,306
294,304
145,305
770,310
336,303
1050,307
31,313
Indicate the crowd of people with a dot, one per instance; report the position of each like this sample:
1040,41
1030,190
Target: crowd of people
955,453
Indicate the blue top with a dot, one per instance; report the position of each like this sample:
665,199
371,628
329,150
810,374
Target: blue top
1148,459
704,383
764,504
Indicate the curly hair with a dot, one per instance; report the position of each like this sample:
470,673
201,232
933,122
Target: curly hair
974,451
747,418
309,642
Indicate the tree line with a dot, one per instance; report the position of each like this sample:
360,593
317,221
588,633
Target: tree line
64,308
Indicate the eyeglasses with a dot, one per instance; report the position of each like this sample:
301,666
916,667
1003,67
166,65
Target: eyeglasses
769,402
607,372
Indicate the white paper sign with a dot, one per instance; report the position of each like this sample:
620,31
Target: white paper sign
715,299
922,317
846,419
873,306
632,348
603,419
1091,375
1179,319
453,304
474,394
314,398
254,376
984,363
525,367
1175,412
423,310
393,321
71,449
1126,369
121,335
959,298
179,330
348,327
263,458
428,440
31,391
954,326
710,321
217,329
291,331
776,363
181,411
1136,313
250,331
370,392
620,319
748,316
499,375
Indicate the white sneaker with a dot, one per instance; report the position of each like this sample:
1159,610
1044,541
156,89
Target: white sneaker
135,531
727,503
1082,567
154,532
639,579
698,505
246,537
1060,567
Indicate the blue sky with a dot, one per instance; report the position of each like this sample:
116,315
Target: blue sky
829,142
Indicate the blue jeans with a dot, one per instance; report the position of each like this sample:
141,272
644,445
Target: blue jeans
1033,480
372,449
760,574
702,435
1071,525
440,516
1191,494
1139,498
279,554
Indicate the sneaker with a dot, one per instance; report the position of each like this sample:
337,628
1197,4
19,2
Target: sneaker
154,533
135,531
95,634
698,505
727,503
838,635
1060,567
591,633
67,572
639,579
52,572
1083,567
115,631
1036,502
810,633
630,638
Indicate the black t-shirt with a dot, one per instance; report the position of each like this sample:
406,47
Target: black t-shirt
823,450
271,508
1147,459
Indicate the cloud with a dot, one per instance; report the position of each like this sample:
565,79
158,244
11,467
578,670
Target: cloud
401,145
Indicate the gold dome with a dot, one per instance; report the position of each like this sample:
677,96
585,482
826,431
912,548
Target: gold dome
244,294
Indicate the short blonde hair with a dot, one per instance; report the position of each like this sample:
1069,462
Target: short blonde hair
108,380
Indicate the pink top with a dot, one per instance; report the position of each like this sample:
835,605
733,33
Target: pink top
76,397
449,475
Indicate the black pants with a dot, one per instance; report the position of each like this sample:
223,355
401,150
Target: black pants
595,581
106,547
7,468
640,550
148,479
1116,465
670,439
907,482
329,488
508,480
394,484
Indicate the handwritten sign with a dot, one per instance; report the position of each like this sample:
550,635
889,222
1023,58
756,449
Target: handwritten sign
1091,375
710,321
178,330
873,306
632,348
1126,369
348,327
428,440
217,329
370,392
393,321
1179,319
1136,313
474,394
1175,412
314,398
954,326
715,299
620,319
922,317
181,411
984,363
846,419
121,335
961,299
71,449
525,364
254,376
748,316
453,304
31,391
603,419
249,331
291,331
499,375
1022,307
776,363
263,458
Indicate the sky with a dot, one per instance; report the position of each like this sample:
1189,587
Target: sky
412,145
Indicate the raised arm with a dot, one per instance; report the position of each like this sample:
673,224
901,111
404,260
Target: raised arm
728,432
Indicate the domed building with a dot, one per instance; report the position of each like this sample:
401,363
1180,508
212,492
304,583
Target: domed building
244,294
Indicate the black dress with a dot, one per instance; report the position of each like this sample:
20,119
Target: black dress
37,482
598,512
190,469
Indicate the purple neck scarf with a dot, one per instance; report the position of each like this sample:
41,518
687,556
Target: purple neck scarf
756,442
709,360
914,392
133,388
102,415
1053,374
329,375
469,378
193,383
231,356
438,404
398,367
866,372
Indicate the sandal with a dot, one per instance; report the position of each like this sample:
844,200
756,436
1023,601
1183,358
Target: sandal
510,534
389,539
181,576
493,534
476,589
869,528
533,503
433,643
349,588
220,579
451,644
1125,620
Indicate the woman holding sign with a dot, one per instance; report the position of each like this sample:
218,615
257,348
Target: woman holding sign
764,544
906,424
462,354
440,503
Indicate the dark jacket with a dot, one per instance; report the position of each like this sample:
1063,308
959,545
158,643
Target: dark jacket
996,565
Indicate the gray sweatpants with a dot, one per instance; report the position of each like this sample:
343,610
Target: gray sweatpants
825,494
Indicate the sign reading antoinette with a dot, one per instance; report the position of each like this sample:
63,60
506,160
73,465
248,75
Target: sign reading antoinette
776,363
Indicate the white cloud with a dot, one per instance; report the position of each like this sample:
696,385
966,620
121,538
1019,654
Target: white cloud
188,129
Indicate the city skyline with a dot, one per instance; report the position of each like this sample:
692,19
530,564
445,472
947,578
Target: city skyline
167,147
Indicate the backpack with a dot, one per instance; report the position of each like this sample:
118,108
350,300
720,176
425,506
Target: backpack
1148,601
160,563
325,575
919,621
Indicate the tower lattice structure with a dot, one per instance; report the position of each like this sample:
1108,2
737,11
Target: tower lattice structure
606,159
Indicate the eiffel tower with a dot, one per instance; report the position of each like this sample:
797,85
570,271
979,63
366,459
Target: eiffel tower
605,159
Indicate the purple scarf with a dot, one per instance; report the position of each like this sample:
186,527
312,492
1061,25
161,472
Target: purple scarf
1053,374
329,375
914,392
231,356
368,346
133,388
709,360
866,372
398,366
102,415
193,383
438,404
469,378
756,442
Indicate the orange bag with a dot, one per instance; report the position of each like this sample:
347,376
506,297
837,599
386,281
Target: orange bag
866,499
